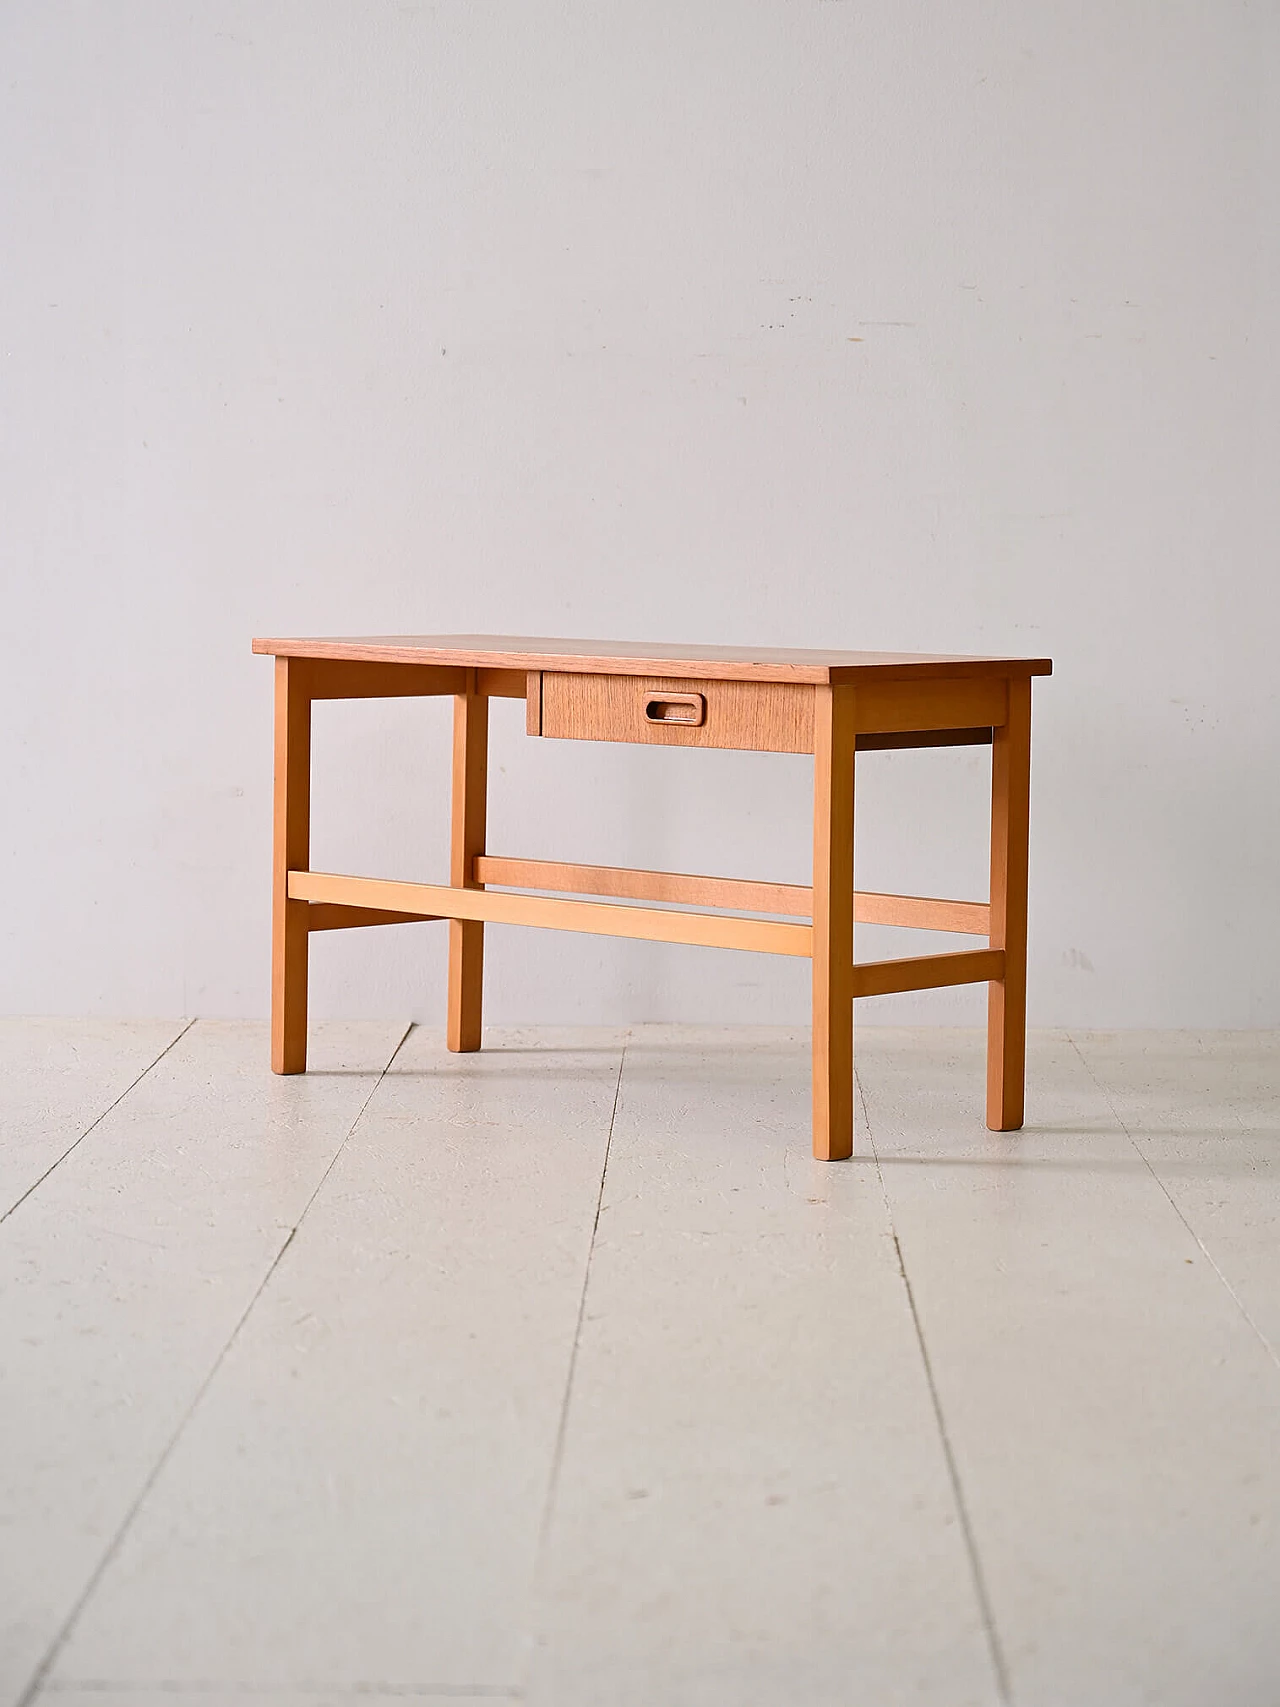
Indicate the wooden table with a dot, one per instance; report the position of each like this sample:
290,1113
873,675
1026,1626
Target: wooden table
830,704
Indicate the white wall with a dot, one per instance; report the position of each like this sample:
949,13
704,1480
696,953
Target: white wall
947,326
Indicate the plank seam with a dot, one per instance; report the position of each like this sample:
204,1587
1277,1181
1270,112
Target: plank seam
557,1455
36,1184
1236,1299
37,1683
994,1649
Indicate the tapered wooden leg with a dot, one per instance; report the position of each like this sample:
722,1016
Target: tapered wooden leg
291,852
1007,999
466,936
833,755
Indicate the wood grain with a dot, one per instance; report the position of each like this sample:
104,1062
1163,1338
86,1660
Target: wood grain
927,972
533,703
502,684
707,930
1007,998
768,717
623,882
920,912
328,678
466,935
322,916
291,841
376,901
891,707
641,658
896,740
833,763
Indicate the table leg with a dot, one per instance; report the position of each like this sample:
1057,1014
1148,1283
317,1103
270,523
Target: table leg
466,936
833,760
1007,998
291,852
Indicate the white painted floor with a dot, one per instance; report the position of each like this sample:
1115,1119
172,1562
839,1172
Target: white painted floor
562,1374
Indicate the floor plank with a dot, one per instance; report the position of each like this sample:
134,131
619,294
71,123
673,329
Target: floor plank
357,1501
122,1278
755,1502
1114,1420
59,1076
1204,1111
754,1506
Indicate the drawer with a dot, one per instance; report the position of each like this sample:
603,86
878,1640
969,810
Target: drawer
665,711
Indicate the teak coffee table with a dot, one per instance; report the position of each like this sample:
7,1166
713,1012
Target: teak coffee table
830,704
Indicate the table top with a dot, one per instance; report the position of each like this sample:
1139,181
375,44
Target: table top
649,658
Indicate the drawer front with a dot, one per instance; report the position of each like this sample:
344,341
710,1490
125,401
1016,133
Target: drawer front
662,711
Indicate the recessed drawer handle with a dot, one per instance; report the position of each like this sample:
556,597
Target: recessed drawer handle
688,708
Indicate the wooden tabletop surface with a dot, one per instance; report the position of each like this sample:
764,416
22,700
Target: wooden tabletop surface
648,658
